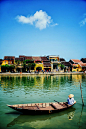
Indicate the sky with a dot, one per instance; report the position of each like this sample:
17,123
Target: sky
42,28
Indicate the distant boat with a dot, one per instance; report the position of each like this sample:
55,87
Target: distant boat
41,108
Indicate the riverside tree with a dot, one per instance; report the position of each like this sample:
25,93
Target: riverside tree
28,64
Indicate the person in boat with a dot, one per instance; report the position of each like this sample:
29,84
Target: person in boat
70,99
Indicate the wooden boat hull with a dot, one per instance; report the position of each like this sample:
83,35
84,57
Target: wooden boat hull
41,108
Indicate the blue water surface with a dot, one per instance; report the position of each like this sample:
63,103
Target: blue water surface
41,88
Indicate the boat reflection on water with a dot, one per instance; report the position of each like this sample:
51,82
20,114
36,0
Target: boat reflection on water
71,115
38,118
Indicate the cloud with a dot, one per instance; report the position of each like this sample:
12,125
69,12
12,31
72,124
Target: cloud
40,19
83,22
55,24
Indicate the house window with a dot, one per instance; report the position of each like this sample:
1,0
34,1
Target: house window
51,59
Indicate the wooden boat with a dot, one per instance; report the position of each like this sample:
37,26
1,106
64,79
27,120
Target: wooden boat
21,119
39,108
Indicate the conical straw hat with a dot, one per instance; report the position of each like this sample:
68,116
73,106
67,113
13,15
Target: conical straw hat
71,95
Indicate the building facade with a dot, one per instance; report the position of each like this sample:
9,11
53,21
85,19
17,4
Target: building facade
77,65
54,61
51,63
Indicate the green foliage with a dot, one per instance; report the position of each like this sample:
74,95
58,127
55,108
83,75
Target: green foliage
17,62
27,61
7,66
28,64
62,66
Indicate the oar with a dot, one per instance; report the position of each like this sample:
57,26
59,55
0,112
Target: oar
81,95
56,101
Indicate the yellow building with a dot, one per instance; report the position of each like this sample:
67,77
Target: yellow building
55,61
0,64
75,63
38,67
0,69
75,68
53,58
46,64
82,66
79,67
38,64
4,62
8,60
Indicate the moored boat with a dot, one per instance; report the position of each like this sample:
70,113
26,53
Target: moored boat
39,108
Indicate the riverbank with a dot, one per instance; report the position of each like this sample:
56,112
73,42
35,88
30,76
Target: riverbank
46,73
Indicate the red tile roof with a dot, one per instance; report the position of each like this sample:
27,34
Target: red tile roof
44,59
82,64
21,59
76,61
36,58
9,57
20,56
28,58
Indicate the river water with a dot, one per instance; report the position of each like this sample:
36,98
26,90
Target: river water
41,88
